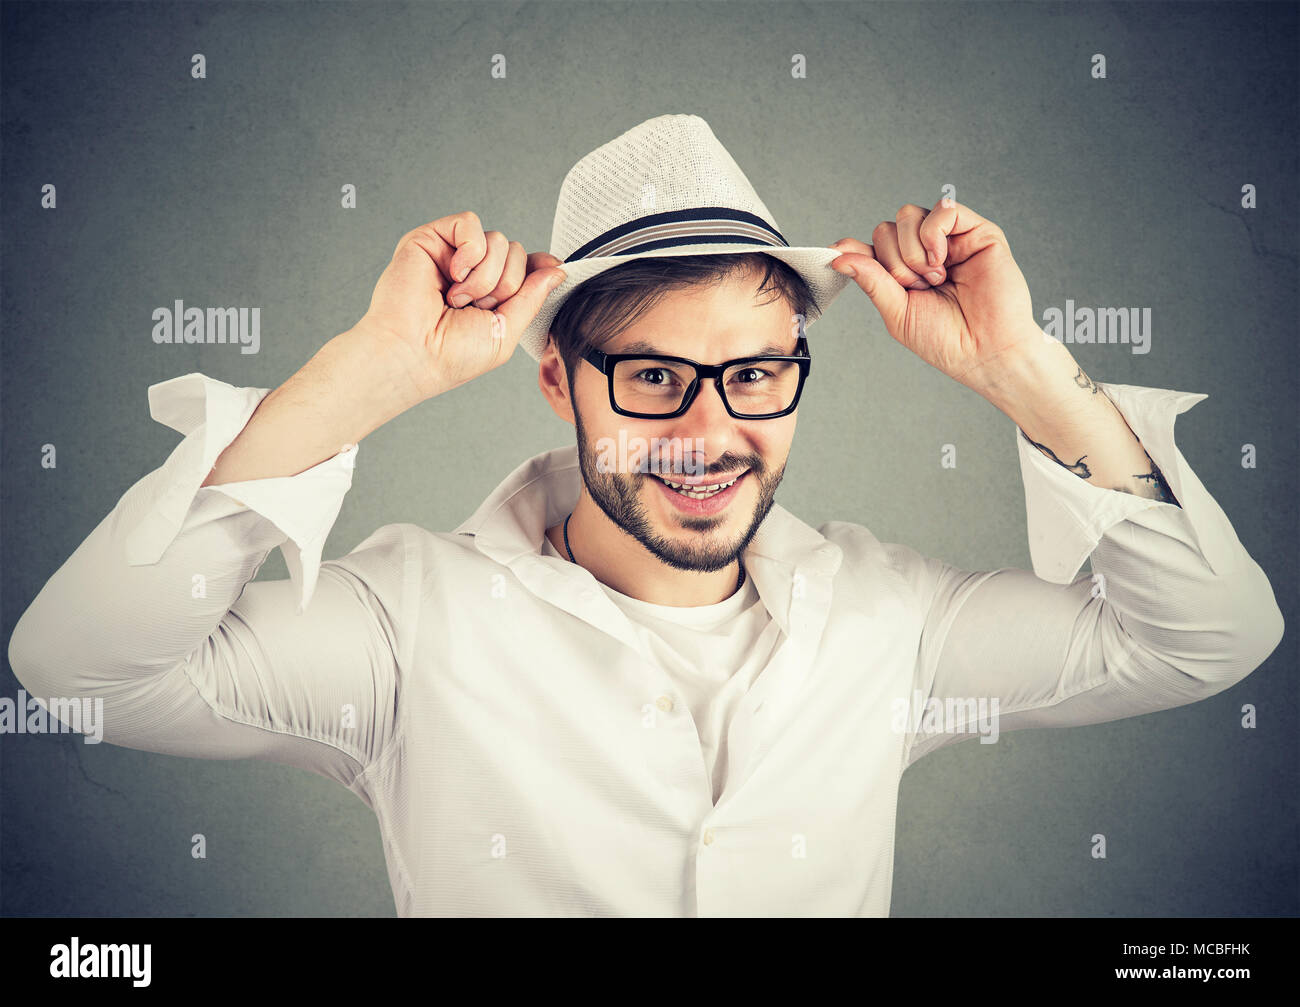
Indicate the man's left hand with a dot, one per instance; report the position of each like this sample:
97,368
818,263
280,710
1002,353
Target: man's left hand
947,288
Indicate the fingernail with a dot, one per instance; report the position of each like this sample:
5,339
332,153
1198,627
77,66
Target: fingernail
460,300
462,273
555,282
487,303
845,267
932,257
934,278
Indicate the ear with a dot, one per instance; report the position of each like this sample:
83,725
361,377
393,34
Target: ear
553,380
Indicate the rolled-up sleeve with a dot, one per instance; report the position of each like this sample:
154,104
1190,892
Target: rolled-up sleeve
211,414
1175,610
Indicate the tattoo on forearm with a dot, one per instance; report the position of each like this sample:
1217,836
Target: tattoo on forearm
1083,381
1078,468
1152,483
1155,482
1149,484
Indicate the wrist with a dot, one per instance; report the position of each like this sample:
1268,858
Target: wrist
1031,382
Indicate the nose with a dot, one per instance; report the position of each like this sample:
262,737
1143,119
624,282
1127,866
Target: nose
706,425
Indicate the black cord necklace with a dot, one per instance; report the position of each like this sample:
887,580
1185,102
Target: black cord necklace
740,581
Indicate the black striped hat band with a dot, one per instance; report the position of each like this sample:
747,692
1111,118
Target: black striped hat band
698,225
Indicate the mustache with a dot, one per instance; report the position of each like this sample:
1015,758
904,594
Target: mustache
727,465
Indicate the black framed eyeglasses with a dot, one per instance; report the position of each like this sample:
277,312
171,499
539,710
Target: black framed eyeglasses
654,386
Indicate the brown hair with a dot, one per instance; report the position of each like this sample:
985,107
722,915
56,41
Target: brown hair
603,306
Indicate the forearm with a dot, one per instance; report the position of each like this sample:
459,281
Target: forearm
1063,413
354,384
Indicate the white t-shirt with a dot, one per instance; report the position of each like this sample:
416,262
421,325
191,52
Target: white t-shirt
713,654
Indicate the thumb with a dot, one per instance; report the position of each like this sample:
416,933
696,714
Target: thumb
522,308
889,298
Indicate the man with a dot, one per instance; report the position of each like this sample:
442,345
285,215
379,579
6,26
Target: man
631,683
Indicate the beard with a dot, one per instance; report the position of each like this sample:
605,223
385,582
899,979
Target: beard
618,495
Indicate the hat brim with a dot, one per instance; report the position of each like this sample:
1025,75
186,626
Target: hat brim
813,264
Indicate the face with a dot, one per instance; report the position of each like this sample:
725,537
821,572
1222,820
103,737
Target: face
622,457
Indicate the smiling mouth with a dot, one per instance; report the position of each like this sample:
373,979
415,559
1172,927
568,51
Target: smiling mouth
699,492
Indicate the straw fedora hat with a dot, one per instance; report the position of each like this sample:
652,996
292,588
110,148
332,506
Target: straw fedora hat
665,187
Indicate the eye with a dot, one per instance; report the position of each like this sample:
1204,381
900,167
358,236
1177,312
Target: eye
654,376
750,375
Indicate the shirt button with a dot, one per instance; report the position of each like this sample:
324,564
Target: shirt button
665,703
708,837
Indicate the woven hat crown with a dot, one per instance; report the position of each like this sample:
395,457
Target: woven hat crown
666,164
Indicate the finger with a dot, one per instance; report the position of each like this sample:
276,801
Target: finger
540,260
466,245
483,277
911,249
512,276
521,308
884,239
956,232
889,298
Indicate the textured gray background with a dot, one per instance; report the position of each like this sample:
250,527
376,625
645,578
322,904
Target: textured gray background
1120,192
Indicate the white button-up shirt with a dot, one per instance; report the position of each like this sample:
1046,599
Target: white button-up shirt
512,728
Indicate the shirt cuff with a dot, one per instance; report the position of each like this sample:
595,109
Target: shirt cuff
1066,516
211,414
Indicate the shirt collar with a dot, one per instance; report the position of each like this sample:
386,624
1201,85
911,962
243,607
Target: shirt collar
510,524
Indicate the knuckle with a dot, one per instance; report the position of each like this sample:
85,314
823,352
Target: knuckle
410,237
885,228
909,211
477,283
507,286
496,242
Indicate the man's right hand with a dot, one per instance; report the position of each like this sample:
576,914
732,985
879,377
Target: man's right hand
416,341
454,300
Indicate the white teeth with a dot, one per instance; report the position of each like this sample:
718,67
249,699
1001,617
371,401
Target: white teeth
698,492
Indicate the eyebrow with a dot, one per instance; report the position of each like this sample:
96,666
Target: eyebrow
771,349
